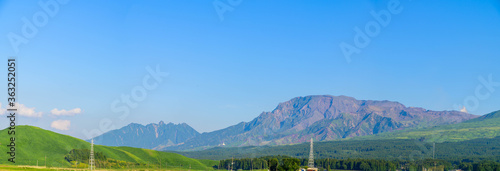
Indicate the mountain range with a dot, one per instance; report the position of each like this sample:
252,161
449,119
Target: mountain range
475,140
321,117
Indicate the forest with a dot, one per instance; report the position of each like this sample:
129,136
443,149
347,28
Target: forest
79,158
285,163
454,152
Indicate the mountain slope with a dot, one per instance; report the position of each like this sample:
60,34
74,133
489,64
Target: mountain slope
322,118
33,144
475,140
486,126
149,136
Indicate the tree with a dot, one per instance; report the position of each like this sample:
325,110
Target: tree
290,164
365,166
465,166
273,164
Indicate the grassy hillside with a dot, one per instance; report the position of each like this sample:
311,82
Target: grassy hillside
33,143
487,126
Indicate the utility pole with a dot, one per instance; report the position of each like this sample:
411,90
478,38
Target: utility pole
433,149
434,152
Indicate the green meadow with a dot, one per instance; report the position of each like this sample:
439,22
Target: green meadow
45,148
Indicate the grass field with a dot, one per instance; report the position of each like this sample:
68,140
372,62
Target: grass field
34,168
34,145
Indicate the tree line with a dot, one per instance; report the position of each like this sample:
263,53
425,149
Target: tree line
79,158
285,163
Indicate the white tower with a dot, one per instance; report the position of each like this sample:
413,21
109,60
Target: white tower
311,156
91,159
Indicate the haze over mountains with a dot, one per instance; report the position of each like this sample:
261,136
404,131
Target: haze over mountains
321,117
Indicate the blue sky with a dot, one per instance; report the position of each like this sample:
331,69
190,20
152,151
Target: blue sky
224,71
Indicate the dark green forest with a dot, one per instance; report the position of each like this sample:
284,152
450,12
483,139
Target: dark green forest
79,158
405,150
285,163
83,155
406,155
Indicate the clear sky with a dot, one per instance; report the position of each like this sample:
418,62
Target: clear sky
230,62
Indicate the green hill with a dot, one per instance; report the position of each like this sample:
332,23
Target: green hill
486,126
34,144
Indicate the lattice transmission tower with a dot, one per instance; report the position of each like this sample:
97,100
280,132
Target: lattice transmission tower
311,156
91,159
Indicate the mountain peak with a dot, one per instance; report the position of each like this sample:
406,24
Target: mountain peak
324,117
148,136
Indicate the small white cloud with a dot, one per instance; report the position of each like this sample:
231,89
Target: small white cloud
63,112
464,110
2,110
26,111
61,124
